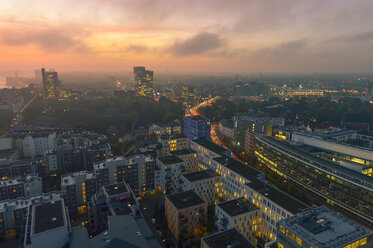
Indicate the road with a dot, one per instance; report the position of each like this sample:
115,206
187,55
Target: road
18,118
194,110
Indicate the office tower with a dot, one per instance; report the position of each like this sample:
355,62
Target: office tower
196,127
143,81
50,84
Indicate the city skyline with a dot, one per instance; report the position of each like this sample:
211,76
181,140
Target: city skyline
188,36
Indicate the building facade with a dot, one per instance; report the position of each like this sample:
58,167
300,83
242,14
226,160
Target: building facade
186,214
196,127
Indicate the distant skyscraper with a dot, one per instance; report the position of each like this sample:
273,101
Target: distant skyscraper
143,81
50,84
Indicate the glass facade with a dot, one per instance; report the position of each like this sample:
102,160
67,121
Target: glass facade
339,187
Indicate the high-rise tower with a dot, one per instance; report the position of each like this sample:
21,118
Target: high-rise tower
143,81
50,84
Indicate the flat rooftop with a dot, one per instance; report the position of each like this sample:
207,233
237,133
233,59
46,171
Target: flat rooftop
171,159
237,207
183,152
238,167
276,195
48,216
212,146
198,118
115,189
185,199
229,238
322,227
200,175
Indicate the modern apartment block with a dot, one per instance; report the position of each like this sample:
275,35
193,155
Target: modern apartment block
242,180
171,128
110,200
14,212
171,167
241,215
243,123
230,238
321,227
196,127
20,187
138,171
172,143
47,224
79,187
189,157
206,184
186,214
342,188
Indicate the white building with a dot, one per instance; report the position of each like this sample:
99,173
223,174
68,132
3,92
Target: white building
206,184
49,225
239,214
241,180
189,157
171,167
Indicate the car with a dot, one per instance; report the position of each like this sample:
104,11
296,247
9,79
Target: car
164,239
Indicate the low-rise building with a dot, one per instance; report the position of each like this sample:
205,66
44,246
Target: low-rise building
170,128
172,143
186,214
206,184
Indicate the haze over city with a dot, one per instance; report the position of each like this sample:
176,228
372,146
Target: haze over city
188,36
186,124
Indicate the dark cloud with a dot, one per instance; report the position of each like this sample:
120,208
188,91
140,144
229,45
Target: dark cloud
198,44
355,38
137,49
52,40
283,50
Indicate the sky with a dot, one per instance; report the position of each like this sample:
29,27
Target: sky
214,36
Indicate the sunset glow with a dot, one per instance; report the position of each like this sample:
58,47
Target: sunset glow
188,36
